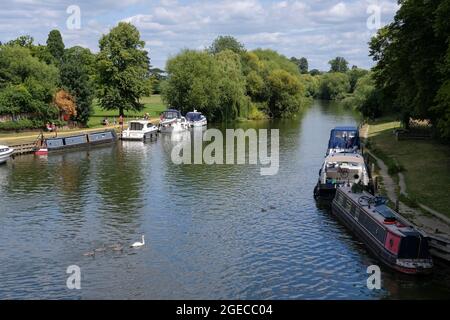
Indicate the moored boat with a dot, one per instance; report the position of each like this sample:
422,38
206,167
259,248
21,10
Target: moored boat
139,130
339,169
344,140
386,234
172,121
80,140
196,119
5,153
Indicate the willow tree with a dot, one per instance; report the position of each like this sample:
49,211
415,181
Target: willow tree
123,69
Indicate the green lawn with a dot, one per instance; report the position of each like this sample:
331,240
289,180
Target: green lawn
425,162
153,105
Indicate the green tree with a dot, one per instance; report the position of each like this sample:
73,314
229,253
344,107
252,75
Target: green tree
285,93
27,85
222,43
55,45
302,64
25,41
123,69
410,55
75,79
193,83
333,86
338,64
354,75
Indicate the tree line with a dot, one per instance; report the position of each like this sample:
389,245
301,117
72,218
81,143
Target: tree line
42,83
412,71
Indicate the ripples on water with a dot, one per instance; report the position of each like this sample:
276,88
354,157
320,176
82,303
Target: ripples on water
212,232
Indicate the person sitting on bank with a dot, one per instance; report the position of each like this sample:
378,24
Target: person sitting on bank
49,127
105,121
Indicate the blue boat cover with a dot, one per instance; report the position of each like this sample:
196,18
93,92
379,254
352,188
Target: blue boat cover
344,138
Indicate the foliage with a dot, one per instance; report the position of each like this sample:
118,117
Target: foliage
333,86
412,65
338,64
27,85
55,45
65,103
222,43
77,78
302,64
123,68
193,83
21,124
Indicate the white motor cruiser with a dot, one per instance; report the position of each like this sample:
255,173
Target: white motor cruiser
140,130
5,153
339,169
196,119
172,121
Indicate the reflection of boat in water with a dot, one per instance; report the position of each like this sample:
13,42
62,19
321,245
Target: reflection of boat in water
196,119
344,139
77,141
5,153
386,234
172,121
139,130
341,168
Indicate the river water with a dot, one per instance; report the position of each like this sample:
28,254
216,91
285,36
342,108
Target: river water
212,231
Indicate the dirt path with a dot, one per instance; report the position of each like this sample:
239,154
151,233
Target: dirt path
432,222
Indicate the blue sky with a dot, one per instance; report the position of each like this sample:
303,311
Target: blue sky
316,29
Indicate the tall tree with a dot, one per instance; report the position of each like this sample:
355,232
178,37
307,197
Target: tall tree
302,64
222,43
55,45
123,69
338,64
76,80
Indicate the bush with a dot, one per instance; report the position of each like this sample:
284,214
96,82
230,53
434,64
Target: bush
21,125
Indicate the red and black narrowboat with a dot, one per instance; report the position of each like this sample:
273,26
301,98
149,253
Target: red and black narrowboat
386,234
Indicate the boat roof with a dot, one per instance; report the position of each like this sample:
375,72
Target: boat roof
345,157
380,212
141,121
3,147
344,128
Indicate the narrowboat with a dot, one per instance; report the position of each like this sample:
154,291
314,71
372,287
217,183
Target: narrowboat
172,121
344,140
140,130
385,233
196,119
339,169
77,141
5,153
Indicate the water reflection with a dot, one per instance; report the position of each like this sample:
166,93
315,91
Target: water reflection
221,231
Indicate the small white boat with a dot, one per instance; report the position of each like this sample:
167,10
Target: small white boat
339,169
196,119
5,153
139,130
172,121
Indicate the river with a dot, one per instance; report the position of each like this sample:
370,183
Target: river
211,231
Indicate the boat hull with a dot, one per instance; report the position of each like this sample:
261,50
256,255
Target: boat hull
5,156
378,250
140,137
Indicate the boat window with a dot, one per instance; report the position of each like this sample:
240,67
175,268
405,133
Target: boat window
3,150
149,125
170,114
136,126
194,116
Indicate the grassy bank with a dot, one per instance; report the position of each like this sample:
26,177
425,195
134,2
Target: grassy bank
424,163
153,105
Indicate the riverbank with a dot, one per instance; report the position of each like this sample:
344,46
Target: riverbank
153,105
412,173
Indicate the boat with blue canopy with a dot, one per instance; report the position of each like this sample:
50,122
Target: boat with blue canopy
344,140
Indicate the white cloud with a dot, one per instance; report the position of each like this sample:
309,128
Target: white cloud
317,29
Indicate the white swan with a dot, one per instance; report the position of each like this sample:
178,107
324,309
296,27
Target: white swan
138,244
